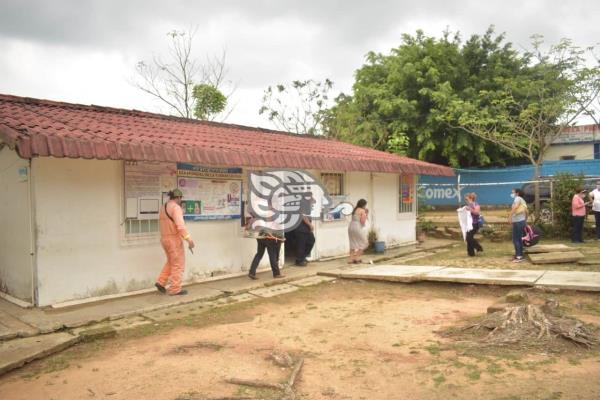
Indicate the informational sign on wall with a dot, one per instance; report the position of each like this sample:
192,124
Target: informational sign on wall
407,189
145,184
210,193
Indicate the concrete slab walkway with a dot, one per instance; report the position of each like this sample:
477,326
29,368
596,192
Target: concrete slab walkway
570,280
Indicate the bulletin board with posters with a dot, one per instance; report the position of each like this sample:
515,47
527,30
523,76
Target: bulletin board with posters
210,193
146,184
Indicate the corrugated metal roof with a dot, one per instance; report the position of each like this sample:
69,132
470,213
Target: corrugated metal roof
42,128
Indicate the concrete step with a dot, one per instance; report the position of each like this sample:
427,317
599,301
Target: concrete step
548,248
11,327
556,257
17,352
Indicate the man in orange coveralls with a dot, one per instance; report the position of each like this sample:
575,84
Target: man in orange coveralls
172,234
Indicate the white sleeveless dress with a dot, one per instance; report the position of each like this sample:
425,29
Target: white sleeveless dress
357,234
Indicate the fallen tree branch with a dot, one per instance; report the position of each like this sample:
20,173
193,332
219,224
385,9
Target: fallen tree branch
292,379
256,383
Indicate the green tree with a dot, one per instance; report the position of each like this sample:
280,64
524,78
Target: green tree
394,107
299,107
189,88
532,108
209,101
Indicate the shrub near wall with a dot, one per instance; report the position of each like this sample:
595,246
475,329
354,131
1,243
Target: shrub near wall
563,188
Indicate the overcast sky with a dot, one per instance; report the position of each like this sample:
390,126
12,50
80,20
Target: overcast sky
85,51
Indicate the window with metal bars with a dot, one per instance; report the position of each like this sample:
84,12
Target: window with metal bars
406,195
334,183
136,227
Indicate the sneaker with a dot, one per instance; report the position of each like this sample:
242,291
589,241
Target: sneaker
278,276
301,264
182,292
253,277
160,287
518,259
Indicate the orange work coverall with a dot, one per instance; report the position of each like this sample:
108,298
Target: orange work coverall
171,239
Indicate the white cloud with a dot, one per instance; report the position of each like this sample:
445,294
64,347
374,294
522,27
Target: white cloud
86,51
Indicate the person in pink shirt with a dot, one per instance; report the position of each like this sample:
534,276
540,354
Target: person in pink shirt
172,234
578,214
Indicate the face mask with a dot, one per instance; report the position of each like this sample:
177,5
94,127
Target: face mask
512,195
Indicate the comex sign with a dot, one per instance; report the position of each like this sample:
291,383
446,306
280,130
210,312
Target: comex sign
441,193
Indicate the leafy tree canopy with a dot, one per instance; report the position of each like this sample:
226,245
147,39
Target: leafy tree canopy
397,101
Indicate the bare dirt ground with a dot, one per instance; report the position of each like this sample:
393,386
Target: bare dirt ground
359,340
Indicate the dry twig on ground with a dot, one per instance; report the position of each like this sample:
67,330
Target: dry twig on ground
287,388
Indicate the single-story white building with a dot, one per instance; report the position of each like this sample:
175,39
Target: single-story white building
576,143
80,187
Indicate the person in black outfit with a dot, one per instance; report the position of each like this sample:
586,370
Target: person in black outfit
474,208
272,243
305,240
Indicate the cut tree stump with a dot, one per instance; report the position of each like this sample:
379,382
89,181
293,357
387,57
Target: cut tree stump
548,248
533,322
556,257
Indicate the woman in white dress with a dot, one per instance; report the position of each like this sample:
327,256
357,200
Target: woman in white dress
357,231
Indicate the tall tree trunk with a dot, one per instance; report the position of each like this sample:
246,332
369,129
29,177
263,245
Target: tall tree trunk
536,186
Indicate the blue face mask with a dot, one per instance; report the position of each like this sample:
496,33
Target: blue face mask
512,195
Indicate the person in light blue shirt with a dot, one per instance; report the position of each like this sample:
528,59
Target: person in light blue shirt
518,219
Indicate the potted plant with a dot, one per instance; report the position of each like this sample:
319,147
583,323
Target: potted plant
374,242
423,227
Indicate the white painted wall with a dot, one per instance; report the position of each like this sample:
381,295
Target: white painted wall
332,237
15,237
81,253
382,202
580,151
81,250
394,228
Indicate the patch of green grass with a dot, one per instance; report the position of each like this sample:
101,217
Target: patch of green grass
433,349
258,393
554,396
574,361
56,363
439,379
474,375
458,364
494,368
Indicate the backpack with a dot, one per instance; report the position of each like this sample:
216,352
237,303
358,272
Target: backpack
480,220
531,235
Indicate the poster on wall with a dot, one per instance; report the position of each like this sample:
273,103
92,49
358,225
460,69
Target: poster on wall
210,193
145,184
407,189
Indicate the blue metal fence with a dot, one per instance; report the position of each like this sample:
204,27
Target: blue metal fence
493,185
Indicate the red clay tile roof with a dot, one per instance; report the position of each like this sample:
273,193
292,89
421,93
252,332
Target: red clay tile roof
41,128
